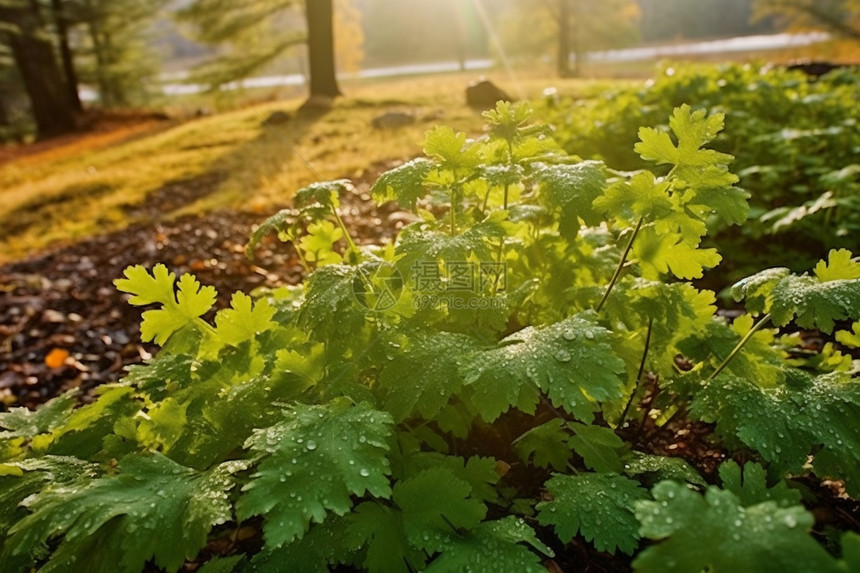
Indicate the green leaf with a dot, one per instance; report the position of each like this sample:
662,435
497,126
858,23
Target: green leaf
492,546
599,447
658,468
244,320
221,564
693,130
404,184
277,223
26,423
547,443
379,529
325,193
839,266
435,504
717,533
450,149
419,373
598,505
813,303
127,516
757,290
178,308
480,473
788,423
832,294
346,443
570,360
572,189
750,485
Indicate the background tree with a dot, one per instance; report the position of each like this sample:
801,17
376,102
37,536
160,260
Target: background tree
115,48
253,34
839,17
26,32
568,27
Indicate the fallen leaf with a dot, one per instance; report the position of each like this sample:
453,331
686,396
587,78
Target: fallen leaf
56,357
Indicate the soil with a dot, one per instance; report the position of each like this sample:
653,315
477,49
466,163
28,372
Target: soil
63,301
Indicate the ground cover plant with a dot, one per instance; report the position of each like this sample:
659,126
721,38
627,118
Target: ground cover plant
795,141
471,397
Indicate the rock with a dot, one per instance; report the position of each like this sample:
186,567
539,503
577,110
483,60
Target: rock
392,120
815,69
483,94
277,118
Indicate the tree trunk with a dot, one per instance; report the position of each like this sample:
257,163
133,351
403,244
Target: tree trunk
66,54
34,57
564,38
321,49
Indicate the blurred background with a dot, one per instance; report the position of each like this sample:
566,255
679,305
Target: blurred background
59,58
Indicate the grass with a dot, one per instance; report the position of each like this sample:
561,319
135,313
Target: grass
91,184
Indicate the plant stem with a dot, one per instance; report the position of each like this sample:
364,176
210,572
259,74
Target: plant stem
349,242
756,327
453,213
640,373
620,266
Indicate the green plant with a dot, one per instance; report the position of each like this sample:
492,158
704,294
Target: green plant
400,413
796,145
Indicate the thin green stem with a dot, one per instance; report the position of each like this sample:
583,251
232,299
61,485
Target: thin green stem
349,242
453,213
620,266
758,326
640,373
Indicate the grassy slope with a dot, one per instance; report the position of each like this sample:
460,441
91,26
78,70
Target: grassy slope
84,187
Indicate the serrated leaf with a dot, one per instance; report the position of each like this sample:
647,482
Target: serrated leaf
749,484
572,189
26,423
757,289
570,360
599,506
179,309
324,193
419,374
662,468
404,184
276,223
545,445
599,447
839,266
815,304
325,544
379,529
344,442
495,546
129,514
670,252
788,423
435,504
642,197
717,533
318,243
244,320
450,149
161,375
221,564
480,473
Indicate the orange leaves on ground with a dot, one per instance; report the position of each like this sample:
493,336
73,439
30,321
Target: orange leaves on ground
56,357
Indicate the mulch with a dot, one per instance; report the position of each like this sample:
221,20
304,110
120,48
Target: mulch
64,301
